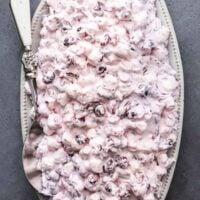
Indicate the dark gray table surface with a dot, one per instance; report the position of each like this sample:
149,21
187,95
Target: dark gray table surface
186,182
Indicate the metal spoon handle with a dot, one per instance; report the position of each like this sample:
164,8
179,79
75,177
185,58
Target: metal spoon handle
22,16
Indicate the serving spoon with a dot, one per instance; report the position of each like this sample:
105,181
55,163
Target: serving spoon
21,13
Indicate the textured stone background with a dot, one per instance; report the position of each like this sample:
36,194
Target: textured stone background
186,182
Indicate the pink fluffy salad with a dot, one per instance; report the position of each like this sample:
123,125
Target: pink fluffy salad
107,100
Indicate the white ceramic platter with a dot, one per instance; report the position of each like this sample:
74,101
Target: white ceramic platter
175,60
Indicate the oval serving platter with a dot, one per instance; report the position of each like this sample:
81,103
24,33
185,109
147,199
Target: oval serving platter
175,60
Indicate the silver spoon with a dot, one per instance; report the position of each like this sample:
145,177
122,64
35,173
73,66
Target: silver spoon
21,13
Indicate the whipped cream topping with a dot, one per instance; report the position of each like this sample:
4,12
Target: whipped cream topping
107,100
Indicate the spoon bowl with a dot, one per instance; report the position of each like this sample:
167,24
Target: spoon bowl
30,161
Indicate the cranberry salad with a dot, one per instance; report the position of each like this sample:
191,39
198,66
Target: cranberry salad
107,100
